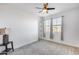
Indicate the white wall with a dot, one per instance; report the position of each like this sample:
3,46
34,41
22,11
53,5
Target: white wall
23,26
71,27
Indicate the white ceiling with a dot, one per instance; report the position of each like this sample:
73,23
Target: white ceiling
59,7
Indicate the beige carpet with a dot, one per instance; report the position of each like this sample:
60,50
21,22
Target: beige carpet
45,48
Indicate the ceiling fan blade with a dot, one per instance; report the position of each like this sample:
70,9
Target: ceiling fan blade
50,8
40,11
38,8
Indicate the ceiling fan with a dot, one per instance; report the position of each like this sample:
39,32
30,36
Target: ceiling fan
45,8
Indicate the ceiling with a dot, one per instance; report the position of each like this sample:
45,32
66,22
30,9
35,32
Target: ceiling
59,7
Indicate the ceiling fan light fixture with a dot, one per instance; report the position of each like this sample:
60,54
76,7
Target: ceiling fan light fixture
45,11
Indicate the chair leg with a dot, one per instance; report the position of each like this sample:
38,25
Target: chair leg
12,46
6,48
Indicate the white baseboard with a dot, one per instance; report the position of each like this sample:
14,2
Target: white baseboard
73,44
25,44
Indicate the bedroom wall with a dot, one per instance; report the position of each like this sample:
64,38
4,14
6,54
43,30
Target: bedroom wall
71,27
23,26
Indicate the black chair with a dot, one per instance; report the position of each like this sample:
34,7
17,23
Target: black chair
6,42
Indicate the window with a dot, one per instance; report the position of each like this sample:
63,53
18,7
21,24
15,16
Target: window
53,28
57,24
57,28
47,28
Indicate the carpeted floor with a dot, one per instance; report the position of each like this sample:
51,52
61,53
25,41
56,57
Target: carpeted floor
45,48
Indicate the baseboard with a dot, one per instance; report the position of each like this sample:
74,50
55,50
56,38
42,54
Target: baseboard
62,43
26,44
